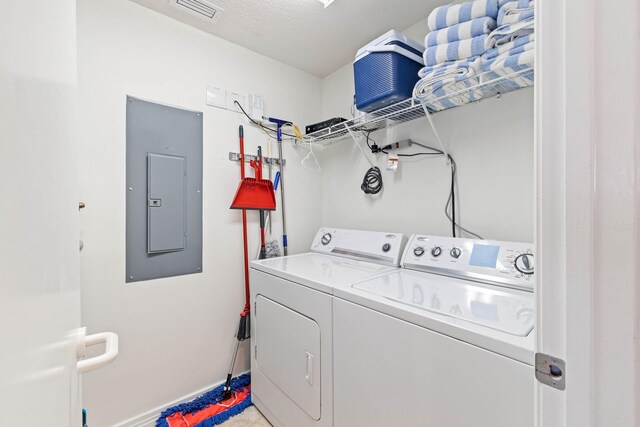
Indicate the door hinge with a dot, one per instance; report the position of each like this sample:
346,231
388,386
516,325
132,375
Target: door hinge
550,371
255,309
255,352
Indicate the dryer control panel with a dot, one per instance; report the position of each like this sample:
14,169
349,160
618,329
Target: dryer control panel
371,246
500,263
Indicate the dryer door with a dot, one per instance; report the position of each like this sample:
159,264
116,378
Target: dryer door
288,353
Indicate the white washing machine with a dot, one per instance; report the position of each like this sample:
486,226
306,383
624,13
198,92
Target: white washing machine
292,325
446,341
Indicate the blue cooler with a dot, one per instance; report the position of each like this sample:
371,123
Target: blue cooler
386,70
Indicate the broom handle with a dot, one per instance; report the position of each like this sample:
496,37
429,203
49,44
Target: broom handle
263,252
284,219
247,304
241,131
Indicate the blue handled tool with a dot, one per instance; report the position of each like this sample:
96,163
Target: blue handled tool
280,123
276,181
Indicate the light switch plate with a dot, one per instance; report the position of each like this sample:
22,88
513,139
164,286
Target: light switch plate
216,97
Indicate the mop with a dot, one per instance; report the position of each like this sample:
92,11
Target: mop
211,408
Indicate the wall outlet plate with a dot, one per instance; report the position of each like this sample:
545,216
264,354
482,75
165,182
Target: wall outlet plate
216,97
232,97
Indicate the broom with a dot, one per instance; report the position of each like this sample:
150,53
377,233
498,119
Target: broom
253,193
244,327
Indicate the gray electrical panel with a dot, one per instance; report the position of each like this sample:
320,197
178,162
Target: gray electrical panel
164,191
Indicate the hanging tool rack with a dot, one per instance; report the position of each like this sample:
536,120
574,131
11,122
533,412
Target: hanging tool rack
235,157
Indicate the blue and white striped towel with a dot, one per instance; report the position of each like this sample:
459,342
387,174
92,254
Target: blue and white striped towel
466,30
510,32
516,11
449,85
518,60
455,51
521,3
515,59
452,14
524,43
443,70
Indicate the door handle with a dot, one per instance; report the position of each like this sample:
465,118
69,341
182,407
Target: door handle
109,339
309,375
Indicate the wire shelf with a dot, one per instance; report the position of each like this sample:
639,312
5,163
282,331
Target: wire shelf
473,89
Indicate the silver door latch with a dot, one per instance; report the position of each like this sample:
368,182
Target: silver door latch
550,371
155,203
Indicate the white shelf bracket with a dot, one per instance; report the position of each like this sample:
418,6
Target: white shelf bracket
355,141
437,135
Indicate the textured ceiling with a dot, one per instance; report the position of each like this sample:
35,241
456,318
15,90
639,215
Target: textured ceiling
302,33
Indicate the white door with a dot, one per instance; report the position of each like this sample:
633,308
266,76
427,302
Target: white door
39,271
588,209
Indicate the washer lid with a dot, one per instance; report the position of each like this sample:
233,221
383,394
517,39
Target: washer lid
505,310
319,271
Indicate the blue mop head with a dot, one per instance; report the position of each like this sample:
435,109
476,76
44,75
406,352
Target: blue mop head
211,397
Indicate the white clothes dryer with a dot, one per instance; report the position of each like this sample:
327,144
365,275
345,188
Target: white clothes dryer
446,341
292,325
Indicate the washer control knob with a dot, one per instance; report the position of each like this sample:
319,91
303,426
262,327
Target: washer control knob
386,247
524,263
326,239
436,251
455,252
418,251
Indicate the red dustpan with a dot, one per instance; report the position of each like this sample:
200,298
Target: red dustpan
255,193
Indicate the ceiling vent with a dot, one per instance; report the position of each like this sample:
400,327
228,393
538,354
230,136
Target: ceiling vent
200,8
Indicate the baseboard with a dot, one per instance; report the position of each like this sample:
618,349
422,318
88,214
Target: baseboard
148,418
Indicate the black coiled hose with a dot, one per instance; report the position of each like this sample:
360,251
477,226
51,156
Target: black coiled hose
372,182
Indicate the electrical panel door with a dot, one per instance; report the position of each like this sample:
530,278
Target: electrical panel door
167,205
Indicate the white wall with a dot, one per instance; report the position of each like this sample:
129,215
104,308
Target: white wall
491,141
176,334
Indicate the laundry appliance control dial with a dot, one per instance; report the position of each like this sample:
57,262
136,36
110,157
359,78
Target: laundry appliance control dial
326,239
386,247
418,251
436,251
524,263
455,252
